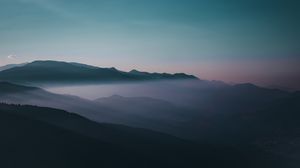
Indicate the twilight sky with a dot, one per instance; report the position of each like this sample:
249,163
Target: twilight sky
232,40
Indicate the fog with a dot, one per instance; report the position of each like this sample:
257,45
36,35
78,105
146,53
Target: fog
180,92
138,104
165,106
203,111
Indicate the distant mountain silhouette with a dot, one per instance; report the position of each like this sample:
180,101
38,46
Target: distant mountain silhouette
273,127
243,98
147,112
153,113
10,88
9,66
54,72
162,75
19,94
139,111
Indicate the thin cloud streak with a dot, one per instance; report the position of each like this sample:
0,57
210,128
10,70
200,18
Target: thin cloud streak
12,56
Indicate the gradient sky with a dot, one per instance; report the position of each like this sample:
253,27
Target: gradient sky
232,40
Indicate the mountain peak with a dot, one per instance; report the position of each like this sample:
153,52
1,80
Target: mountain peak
134,71
114,69
47,63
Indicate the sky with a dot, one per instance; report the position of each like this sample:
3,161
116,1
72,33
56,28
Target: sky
235,41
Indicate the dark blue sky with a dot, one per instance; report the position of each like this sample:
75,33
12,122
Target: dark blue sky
231,40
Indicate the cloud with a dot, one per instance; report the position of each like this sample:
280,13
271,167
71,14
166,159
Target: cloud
12,56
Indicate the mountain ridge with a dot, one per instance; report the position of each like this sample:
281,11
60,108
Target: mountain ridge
9,66
64,72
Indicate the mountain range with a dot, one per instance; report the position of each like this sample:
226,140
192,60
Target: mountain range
139,112
182,123
263,120
55,72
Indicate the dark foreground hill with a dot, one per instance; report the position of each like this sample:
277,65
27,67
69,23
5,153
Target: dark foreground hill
54,72
44,137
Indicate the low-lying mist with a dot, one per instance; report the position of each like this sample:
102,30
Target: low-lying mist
210,112
181,92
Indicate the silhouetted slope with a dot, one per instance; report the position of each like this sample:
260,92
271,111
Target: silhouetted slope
148,112
76,123
141,112
44,137
9,66
158,109
272,127
27,142
44,72
278,127
10,88
238,98
19,94
215,106
261,123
